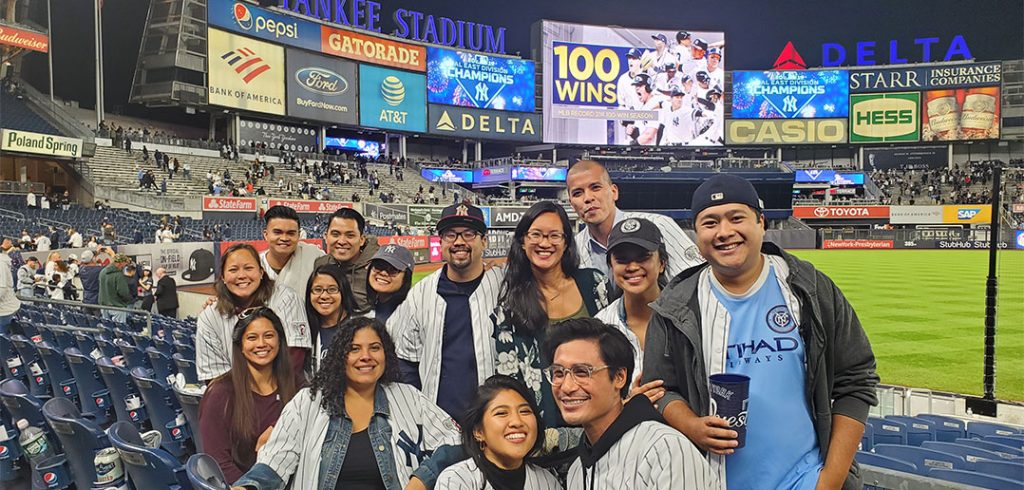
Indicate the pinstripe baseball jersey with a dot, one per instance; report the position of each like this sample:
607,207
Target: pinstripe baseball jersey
296,272
297,442
615,315
467,476
651,455
682,253
213,332
417,326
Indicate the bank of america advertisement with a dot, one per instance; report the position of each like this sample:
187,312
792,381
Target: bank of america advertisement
392,99
790,94
245,73
479,81
627,86
322,88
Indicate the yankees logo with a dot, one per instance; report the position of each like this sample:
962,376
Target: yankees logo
412,449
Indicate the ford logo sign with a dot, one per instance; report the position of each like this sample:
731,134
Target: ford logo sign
321,81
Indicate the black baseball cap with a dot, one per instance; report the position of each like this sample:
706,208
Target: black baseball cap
463,214
682,35
637,231
642,79
676,92
700,43
660,37
634,53
398,256
724,189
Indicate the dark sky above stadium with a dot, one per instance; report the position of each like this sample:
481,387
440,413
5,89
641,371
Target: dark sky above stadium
755,31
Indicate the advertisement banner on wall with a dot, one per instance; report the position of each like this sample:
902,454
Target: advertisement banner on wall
910,78
254,21
321,88
589,93
392,213
309,207
1018,240
963,214
915,215
913,158
506,216
409,242
857,244
293,137
829,177
788,94
479,81
492,175
841,212
785,131
245,73
230,204
40,144
447,175
392,99
372,49
189,263
484,124
539,174
424,216
885,117
20,38
961,114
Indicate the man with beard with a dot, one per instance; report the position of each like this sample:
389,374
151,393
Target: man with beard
443,331
351,250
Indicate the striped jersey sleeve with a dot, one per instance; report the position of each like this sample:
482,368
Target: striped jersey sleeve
213,344
673,462
286,303
682,252
284,448
412,408
404,325
467,476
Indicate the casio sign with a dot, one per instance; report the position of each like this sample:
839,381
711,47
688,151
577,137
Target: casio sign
967,214
321,81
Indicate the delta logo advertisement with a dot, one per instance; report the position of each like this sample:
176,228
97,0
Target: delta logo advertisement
888,52
246,63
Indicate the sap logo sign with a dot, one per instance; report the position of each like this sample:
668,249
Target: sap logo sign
869,53
967,214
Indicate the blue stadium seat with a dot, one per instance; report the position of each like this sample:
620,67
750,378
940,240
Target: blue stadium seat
187,368
976,479
868,438
93,395
106,346
923,459
1012,441
147,468
61,379
190,407
888,431
162,406
978,430
80,437
887,462
1001,449
970,454
133,356
13,367
21,404
163,365
38,381
1013,470
121,386
948,429
205,474
62,338
87,344
918,430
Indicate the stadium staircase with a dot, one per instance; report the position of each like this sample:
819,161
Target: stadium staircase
16,114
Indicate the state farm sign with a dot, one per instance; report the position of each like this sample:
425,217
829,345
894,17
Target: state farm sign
229,204
841,212
409,242
315,207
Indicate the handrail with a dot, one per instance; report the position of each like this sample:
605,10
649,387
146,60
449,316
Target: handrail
149,315
43,103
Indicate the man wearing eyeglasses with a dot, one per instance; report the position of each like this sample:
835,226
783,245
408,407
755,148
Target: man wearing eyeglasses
443,331
626,445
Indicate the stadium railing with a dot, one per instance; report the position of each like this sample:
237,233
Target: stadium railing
910,235
79,304
65,122
13,187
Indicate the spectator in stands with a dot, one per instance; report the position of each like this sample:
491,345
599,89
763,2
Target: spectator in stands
163,187
128,144
89,272
57,280
543,285
42,242
26,241
74,238
167,235
329,303
357,394
146,288
240,408
592,194
51,263
287,260
109,233
166,294
9,303
187,169
351,250
113,288
789,444
54,237
30,199
131,274
93,243
389,280
142,177
244,284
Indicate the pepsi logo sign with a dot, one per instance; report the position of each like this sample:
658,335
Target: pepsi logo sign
39,380
50,478
321,81
242,16
3,452
67,389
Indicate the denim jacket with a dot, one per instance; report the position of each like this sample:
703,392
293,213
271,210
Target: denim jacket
308,447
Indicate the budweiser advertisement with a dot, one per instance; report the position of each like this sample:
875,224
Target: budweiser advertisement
21,38
312,207
229,204
841,212
858,244
409,242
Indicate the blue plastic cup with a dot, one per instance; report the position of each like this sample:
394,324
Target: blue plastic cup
729,396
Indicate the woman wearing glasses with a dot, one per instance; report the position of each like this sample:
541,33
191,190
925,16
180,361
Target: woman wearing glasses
243,284
248,398
356,426
329,302
389,280
543,285
501,431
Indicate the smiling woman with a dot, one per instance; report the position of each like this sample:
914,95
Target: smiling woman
329,302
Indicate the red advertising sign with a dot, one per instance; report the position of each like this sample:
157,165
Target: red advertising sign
841,212
318,207
230,204
409,242
372,49
856,244
24,39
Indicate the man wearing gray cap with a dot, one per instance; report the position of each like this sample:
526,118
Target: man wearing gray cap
760,312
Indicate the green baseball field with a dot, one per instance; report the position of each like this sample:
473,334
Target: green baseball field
924,311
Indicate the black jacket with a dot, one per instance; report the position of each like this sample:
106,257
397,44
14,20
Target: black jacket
166,294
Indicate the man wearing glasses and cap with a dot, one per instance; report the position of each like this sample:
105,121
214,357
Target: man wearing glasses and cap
443,331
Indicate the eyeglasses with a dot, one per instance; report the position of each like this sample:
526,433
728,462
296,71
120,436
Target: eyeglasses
581,373
248,312
317,291
386,269
468,235
554,238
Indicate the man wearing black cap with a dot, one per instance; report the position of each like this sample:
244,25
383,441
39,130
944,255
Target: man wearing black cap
443,331
662,55
624,88
682,48
755,310
676,118
644,132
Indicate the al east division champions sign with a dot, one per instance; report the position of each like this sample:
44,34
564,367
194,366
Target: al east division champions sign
479,81
786,94
322,88
885,117
245,73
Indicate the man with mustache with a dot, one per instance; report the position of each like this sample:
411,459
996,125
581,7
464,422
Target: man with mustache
443,331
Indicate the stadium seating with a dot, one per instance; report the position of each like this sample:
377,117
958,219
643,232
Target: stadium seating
147,467
969,453
1016,442
21,404
918,430
190,407
923,459
997,448
121,387
888,431
163,409
888,462
79,436
39,379
18,115
93,395
1013,470
978,430
205,474
975,479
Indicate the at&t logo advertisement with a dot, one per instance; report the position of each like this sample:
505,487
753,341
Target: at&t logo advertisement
392,99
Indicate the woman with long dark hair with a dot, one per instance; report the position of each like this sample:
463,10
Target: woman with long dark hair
244,284
240,407
356,426
389,280
146,288
329,302
543,285
501,430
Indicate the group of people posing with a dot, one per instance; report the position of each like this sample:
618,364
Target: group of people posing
581,362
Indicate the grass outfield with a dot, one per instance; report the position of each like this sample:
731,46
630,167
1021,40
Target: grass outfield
924,311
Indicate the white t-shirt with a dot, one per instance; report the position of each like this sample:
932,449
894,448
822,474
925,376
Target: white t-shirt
42,243
76,240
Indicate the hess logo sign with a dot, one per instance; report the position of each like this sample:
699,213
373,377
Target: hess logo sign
885,117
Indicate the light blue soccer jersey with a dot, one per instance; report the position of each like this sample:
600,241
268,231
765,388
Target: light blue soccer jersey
781,449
